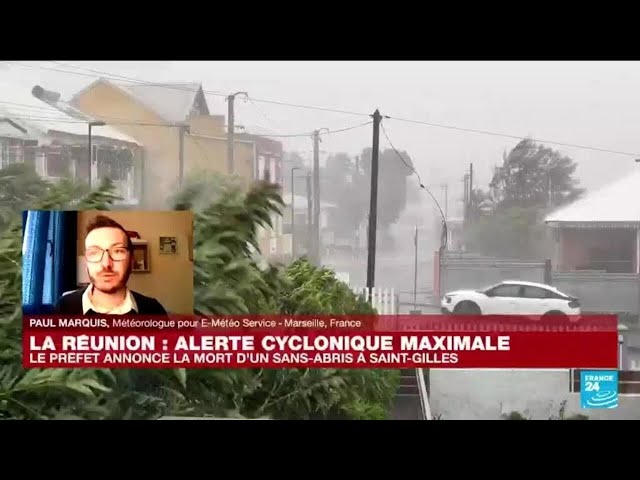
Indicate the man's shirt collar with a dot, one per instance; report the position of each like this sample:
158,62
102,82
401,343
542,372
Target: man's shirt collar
125,307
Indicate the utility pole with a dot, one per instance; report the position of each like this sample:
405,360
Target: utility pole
471,209
415,268
231,131
315,243
445,187
293,215
373,203
96,123
182,129
309,217
465,201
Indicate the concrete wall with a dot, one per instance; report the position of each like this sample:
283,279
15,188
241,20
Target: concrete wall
464,270
488,394
602,292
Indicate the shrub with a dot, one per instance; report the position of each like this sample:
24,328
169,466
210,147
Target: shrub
230,278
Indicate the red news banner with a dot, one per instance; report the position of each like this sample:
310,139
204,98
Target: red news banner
396,341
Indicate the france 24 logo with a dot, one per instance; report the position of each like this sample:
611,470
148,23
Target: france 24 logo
599,388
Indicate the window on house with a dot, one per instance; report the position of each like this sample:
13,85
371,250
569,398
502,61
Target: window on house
272,171
114,164
57,165
11,151
29,155
79,157
261,168
14,154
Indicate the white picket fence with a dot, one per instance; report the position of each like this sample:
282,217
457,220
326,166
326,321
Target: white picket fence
384,300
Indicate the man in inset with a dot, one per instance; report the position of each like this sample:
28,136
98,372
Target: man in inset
109,255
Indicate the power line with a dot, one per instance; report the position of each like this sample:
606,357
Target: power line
77,121
124,121
517,137
413,170
213,92
335,110
128,79
324,132
100,74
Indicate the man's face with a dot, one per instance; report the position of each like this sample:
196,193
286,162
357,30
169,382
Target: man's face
108,275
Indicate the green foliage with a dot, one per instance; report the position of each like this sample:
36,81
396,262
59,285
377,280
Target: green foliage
346,181
36,393
313,290
512,233
532,180
533,175
230,278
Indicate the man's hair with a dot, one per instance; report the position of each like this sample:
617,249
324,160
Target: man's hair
102,221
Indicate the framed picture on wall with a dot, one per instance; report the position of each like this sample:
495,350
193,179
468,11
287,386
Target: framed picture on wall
168,246
141,260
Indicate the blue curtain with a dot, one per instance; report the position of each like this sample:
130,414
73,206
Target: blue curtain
48,258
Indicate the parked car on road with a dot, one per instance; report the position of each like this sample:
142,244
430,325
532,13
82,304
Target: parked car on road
511,298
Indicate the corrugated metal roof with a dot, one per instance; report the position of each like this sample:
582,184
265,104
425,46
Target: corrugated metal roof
172,101
615,202
41,119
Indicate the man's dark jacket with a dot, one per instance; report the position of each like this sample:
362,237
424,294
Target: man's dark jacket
72,304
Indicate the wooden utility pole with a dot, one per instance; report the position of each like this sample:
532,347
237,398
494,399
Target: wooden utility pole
315,240
445,187
465,201
231,131
415,268
182,129
309,217
471,208
96,123
373,202
293,213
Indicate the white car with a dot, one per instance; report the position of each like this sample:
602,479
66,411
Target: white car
511,298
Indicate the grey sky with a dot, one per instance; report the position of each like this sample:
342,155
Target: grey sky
590,103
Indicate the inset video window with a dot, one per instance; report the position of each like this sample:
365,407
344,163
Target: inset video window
107,262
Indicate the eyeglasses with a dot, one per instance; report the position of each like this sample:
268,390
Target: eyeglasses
117,254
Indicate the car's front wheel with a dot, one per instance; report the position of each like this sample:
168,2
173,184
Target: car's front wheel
467,308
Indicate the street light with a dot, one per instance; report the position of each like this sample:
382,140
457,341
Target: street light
97,123
293,214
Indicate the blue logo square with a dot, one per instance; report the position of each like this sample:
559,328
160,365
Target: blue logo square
599,388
